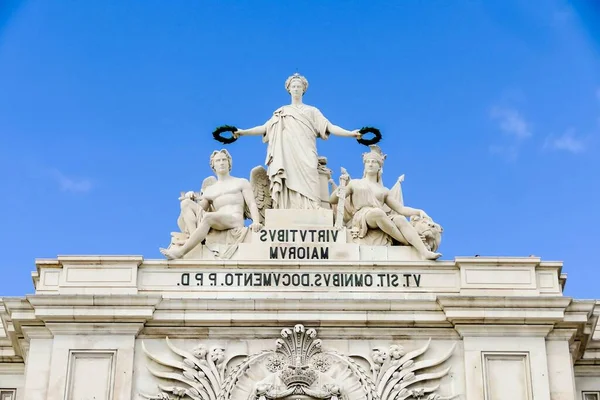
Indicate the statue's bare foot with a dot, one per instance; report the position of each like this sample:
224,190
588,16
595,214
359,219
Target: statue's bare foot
171,254
430,255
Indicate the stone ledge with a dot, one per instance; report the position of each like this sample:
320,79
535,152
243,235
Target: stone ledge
468,330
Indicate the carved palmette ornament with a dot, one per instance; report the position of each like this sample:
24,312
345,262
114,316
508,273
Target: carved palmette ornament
298,368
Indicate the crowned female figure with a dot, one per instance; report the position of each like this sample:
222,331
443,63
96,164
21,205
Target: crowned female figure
292,160
375,214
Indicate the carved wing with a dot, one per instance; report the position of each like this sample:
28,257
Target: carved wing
396,193
399,375
261,185
206,374
198,375
211,180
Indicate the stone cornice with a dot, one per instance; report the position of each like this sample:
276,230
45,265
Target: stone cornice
85,259
74,328
20,309
12,368
94,308
447,301
562,334
330,332
503,260
504,310
466,330
587,370
36,332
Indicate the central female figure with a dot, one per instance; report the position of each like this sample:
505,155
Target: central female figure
292,161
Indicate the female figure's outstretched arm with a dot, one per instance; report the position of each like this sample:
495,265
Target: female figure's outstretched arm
339,131
257,130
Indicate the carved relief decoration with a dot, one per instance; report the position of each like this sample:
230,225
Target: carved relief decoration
297,369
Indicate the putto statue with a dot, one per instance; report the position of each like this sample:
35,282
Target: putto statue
375,215
219,209
292,161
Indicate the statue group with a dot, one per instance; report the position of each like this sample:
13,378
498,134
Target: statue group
371,213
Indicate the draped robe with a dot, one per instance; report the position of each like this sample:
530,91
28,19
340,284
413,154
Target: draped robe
292,156
360,203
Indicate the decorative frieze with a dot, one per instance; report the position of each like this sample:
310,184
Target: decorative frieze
298,367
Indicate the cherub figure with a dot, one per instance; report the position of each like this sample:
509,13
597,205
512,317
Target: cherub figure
221,206
372,207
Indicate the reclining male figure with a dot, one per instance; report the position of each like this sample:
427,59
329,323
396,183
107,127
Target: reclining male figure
221,205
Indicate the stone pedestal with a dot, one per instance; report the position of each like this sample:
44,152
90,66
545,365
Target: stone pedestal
298,219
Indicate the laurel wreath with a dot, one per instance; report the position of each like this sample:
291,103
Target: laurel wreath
369,129
217,135
224,139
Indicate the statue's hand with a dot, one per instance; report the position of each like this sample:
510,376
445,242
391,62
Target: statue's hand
356,133
344,179
423,214
238,133
190,195
256,226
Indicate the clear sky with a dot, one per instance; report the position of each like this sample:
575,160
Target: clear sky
490,108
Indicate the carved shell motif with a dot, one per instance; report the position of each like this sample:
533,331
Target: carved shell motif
297,368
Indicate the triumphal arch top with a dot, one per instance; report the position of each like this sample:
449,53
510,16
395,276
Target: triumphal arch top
298,283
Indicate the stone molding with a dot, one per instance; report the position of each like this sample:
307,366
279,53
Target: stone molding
12,368
503,330
112,328
535,311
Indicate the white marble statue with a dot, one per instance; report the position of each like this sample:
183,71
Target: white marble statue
292,161
221,205
375,215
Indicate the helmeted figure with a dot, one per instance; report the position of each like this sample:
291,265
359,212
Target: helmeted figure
375,215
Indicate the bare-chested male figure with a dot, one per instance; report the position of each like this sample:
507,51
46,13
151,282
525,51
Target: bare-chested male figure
221,204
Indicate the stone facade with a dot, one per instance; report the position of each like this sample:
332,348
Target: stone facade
129,328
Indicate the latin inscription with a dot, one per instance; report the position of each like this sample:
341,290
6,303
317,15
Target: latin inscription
299,244
310,279
301,235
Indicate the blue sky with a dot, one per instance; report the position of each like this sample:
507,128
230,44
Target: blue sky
490,108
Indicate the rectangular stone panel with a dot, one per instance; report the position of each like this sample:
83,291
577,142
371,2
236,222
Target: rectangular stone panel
99,275
90,375
494,277
8,394
368,280
507,376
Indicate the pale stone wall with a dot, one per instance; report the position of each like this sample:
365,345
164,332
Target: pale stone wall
12,378
509,331
589,385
